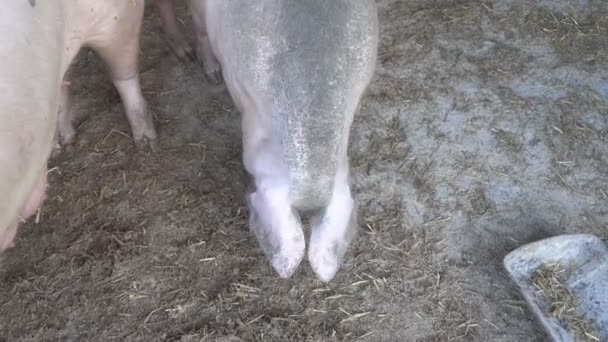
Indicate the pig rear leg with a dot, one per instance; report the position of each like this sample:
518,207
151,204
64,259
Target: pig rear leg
140,120
122,58
204,52
272,219
65,118
175,38
65,132
277,228
333,230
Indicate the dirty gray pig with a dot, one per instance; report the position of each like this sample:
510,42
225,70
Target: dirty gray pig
40,40
296,69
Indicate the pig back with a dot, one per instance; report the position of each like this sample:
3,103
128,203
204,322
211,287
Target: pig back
29,84
305,64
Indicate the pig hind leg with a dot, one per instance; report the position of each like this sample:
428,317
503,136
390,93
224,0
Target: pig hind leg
65,124
120,52
272,219
65,132
277,228
174,35
204,52
333,229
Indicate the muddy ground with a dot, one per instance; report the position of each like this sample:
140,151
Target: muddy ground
485,128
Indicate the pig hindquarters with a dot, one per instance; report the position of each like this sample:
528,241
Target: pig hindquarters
296,69
111,28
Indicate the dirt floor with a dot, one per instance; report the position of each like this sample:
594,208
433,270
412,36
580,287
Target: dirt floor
486,127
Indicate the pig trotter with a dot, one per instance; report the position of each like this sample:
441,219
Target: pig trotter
214,77
211,66
180,47
332,232
145,144
278,230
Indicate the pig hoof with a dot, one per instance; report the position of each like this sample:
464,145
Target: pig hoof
56,150
283,251
185,53
154,145
285,261
180,48
66,135
145,144
324,259
212,70
215,77
332,232
278,231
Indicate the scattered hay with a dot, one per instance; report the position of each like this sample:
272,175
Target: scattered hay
558,300
576,39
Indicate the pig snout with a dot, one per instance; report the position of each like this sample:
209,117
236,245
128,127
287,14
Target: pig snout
33,202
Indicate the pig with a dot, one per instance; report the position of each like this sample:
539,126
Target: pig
296,70
179,44
112,29
40,41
